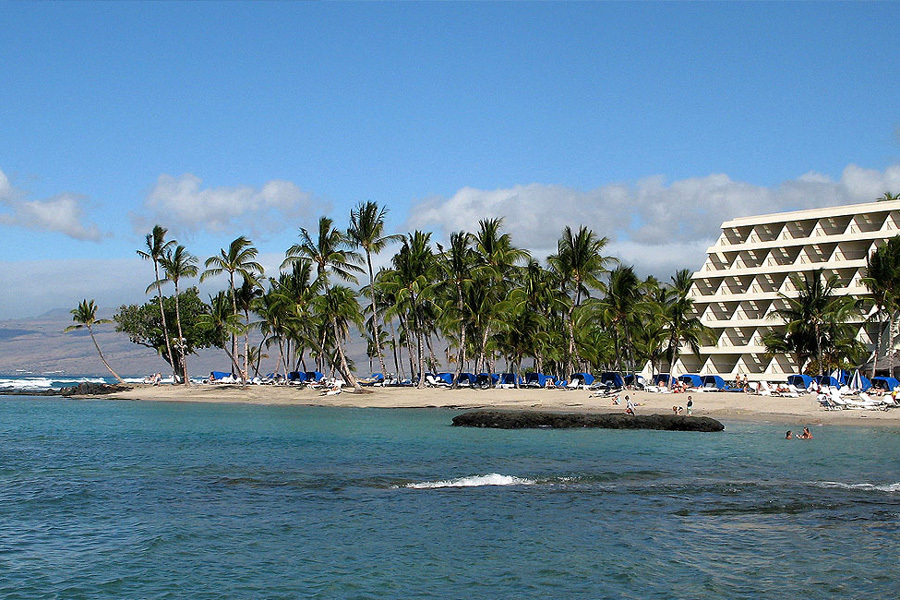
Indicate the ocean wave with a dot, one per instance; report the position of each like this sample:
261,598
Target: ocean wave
890,487
491,479
38,383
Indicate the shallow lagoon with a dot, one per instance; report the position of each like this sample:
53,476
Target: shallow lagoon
108,499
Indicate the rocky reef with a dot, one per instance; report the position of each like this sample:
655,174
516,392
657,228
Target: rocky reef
526,419
93,389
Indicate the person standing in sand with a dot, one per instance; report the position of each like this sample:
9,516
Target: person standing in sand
690,405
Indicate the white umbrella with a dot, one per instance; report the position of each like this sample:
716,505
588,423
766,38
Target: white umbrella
856,382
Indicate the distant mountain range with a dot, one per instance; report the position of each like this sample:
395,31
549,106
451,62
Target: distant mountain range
39,345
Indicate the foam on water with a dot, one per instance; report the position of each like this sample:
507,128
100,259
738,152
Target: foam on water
494,479
891,487
40,383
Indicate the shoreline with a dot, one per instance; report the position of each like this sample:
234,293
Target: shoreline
735,406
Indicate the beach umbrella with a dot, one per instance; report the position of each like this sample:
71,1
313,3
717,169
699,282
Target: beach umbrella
856,382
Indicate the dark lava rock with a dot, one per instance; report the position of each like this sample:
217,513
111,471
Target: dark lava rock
93,389
14,392
526,419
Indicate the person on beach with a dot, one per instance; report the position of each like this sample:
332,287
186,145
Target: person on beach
629,406
690,405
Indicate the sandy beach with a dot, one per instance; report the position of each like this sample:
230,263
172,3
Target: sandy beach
723,406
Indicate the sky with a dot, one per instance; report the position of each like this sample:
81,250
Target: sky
650,123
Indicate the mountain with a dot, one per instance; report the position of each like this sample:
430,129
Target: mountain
39,345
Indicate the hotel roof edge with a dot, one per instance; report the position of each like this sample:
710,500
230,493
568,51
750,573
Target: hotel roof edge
814,213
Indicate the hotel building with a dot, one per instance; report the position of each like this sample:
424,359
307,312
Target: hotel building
750,266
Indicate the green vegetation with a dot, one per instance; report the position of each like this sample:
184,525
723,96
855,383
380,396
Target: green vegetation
85,316
481,304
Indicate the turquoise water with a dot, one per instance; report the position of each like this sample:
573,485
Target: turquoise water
107,499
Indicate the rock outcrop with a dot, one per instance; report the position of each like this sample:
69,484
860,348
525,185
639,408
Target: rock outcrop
526,419
93,389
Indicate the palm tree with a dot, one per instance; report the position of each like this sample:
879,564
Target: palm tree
338,306
684,327
177,264
579,262
247,294
329,252
411,283
621,310
496,263
883,281
814,317
222,321
157,246
85,316
456,264
301,289
888,197
366,231
240,259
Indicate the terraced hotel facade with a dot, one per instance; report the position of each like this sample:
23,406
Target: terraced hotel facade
750,265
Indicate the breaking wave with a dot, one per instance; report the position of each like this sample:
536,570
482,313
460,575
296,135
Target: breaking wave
891,487
472,481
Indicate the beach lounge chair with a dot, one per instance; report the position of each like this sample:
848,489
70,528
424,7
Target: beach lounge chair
888,384
694,381
826,403
487,380
580,380
508,381
535,380
612,379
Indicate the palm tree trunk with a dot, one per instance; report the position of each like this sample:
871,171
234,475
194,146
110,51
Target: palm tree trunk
233,335
162,315
890,349
570,355
877,348
342,360
181,340
674,358
247,342
394,349
102,358
375,322
461,355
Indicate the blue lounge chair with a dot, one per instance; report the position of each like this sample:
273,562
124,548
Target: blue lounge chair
611,379
314,376
635,380
583,379
487,380
885,383
827,380
297,377
509,379
694,381
801,381
538,380
466,380
661,379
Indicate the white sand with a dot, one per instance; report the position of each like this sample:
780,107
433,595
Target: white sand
720,405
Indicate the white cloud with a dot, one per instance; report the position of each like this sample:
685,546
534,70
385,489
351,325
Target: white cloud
62,213
657,226
182,205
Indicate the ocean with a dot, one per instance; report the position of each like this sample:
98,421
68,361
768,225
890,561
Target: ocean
113,499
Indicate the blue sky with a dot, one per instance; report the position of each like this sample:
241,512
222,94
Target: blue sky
651,123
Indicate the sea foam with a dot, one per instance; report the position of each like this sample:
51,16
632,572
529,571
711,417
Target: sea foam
890,487
472,481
